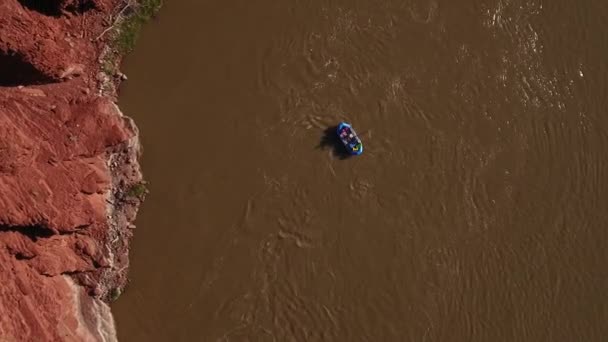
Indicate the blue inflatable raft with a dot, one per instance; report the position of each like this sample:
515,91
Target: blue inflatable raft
349,138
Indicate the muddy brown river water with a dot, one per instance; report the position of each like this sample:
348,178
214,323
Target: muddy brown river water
476,213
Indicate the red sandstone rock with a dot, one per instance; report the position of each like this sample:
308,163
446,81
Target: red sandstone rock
66,158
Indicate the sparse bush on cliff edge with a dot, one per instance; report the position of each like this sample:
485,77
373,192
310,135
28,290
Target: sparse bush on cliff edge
114,294
140,11
124,30
137,190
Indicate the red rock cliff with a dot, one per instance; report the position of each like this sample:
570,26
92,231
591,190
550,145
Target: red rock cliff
68,159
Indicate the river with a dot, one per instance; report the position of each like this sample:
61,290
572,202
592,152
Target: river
476,213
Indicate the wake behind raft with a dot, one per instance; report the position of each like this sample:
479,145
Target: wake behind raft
349,138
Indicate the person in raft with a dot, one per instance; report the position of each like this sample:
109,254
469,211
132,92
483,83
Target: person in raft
344,132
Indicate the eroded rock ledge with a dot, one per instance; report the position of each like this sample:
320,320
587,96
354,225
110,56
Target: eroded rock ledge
68,167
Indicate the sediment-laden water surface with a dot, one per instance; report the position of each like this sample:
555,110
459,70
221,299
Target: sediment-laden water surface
476,213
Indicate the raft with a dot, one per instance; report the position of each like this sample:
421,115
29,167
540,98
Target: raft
349,138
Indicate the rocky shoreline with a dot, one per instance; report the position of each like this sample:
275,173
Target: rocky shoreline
70,182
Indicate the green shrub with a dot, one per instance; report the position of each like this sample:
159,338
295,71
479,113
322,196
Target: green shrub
114,294
128,30
137,190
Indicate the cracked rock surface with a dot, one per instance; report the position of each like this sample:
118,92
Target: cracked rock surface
68,158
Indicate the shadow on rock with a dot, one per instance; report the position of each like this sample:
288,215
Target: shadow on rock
330,140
